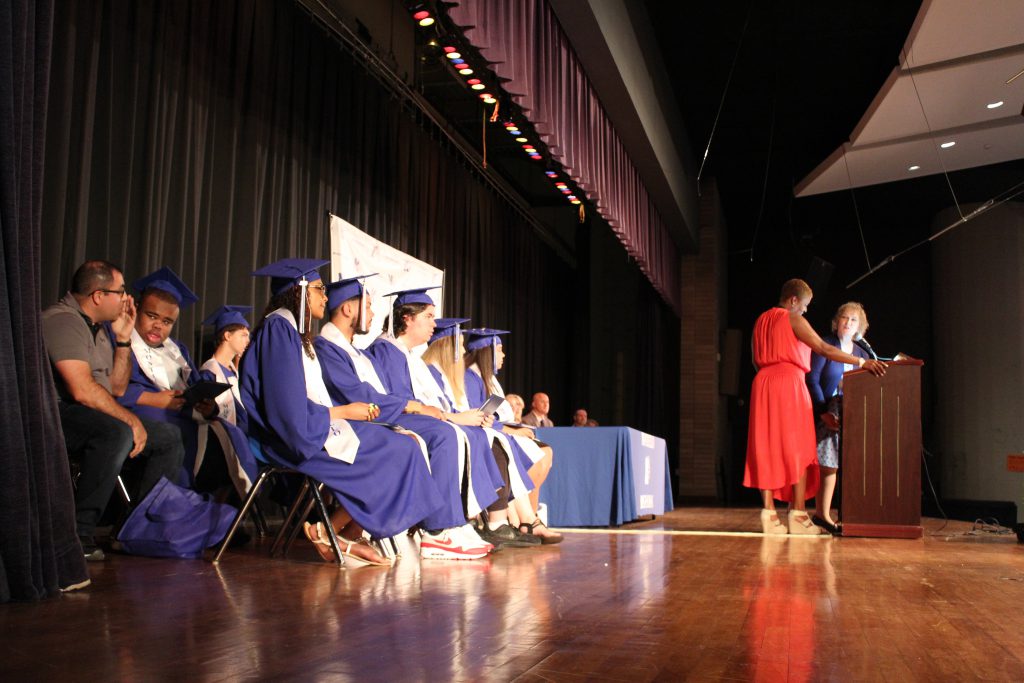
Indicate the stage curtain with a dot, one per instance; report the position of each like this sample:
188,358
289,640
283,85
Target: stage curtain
528,47
214,137
39,551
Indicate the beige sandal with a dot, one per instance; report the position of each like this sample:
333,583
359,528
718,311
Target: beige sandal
323,546
800,524
771,523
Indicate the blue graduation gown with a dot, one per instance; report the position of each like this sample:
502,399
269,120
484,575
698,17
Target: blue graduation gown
345,386
387,488
238,452
393,371
476,396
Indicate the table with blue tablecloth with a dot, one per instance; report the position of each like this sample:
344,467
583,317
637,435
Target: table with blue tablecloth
604,476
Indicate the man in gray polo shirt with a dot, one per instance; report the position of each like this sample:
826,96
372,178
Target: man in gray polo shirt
88,339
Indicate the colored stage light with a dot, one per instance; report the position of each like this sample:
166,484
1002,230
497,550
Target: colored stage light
520,139
449,48
427,22
575,201
484,95
536,157
465,72
453,55
490,100
472,81
530,150
422,14
566,191
571,197
514,131
458,61
478,86
550,174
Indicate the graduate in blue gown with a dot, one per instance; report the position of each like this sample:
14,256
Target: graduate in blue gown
350,376
445,361
380,478
216,452
405,377
484,358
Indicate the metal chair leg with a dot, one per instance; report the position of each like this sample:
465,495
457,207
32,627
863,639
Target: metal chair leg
249,500
326,515
286,526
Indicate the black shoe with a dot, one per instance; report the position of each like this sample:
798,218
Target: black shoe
831,528
509,537
93,553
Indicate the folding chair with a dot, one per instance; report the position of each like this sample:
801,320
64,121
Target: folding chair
311,491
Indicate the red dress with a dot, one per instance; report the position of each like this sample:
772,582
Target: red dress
781,445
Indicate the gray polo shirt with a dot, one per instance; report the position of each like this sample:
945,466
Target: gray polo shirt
70,335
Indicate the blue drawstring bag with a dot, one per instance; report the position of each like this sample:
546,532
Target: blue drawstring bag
172,521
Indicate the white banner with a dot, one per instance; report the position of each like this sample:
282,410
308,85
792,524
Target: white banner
353,252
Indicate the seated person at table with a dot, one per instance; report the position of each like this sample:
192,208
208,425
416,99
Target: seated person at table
485,358
444,359
350,377
87,336
579,418
538,415
406,376
216,453
518,405
379,477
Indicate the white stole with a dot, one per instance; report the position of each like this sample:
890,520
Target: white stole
342,442
162,363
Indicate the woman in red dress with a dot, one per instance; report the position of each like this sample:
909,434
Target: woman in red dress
782,454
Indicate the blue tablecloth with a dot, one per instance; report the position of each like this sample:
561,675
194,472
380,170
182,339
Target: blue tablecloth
604,476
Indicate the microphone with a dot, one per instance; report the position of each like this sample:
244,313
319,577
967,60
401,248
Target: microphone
863,343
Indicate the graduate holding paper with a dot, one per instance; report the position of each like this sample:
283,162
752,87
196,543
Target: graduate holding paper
216,452
379,477
231,334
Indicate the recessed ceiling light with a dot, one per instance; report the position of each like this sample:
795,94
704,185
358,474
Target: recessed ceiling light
994,105
913,168
947,145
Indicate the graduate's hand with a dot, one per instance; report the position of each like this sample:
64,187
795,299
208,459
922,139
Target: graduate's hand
139,435
488,421
125,321
830,421
432,412
166,400
207,408
519,431
367,412
469,418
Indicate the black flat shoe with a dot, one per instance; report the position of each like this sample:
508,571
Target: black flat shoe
831,528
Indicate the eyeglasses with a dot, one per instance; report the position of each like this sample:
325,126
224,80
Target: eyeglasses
120,292
320,288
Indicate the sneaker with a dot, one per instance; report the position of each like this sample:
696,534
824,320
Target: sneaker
448,546
93,553
470,538
510,537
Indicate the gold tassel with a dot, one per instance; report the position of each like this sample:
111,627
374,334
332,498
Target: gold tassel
494,116
583,213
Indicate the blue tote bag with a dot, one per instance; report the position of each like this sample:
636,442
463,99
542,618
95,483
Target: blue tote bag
172,521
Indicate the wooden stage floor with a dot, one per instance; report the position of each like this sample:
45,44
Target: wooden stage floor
642,603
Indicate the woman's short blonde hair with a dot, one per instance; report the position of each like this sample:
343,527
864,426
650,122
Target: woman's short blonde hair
861,313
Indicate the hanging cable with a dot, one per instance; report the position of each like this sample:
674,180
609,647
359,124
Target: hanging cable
856,211
764,185
725,92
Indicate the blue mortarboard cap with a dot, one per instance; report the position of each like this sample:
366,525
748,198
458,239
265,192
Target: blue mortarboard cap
412,296
166,280
228,315
482,337
446,327
341,291
287,272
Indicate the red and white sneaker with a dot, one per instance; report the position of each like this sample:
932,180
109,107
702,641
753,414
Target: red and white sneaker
450,545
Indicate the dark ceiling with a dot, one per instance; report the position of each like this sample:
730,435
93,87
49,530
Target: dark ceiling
805,72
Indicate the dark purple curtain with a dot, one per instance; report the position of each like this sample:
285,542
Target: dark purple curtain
214,137
39,551
527,45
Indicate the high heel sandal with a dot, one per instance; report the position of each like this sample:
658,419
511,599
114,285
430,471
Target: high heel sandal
772,527
323,546
545,540
800,524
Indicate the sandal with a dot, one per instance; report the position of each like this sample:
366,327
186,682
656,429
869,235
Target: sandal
323,546
545,540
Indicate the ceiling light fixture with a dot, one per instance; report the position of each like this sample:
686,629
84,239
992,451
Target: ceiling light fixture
947,145
913,168
994,105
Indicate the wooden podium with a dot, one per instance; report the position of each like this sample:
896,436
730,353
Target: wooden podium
881,443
